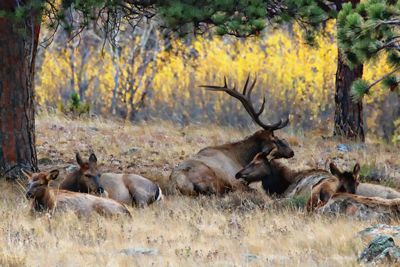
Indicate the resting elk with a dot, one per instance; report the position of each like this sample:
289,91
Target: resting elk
212,170
341,182
44,198
125,188
278,179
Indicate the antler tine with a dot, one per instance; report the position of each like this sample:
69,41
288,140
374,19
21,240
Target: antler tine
261,108
251,88
245,99
245,85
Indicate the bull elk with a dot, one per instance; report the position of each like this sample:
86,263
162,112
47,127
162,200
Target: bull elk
44,198
129,189
212,170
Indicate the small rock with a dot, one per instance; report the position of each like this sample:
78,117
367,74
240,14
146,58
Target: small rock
343,148
94,129
71,168
250,257
131,150
139,251
381,248
379,229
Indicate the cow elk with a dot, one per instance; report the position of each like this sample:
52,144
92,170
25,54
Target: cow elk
212,170
44,198
375,190
129,189
341,182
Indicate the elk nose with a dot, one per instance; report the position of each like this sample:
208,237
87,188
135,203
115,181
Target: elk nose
238,175
100,190
28,195
291,154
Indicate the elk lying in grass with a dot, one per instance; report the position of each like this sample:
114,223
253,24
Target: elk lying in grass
276,178
212,170
125,188
373,190
341,182
44,198
361,207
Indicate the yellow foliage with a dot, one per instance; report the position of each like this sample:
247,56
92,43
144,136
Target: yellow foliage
295,77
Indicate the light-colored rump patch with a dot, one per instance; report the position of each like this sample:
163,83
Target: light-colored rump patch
160,195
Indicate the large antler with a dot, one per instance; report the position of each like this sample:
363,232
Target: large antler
245,99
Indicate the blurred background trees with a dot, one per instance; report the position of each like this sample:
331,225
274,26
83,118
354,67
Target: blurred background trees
297,79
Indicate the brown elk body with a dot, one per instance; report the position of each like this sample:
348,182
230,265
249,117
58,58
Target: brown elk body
212,170
341,182
44,198
376,190
125,188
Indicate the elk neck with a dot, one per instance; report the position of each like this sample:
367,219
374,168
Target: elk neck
70,182
47,200
245,150
282,172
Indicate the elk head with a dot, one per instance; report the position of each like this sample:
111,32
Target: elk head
348,180
260,166
38,182
266,138
89,175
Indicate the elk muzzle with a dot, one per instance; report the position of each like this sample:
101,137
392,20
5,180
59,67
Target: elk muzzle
29,195
99,188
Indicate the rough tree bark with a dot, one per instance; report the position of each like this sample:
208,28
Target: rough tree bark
348,119
18,47
348,114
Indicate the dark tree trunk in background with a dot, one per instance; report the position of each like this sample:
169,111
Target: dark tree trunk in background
18,46
348,120
348,114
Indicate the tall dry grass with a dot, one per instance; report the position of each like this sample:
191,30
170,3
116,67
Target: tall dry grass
234,230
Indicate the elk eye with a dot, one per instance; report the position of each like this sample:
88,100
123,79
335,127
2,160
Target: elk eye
88,175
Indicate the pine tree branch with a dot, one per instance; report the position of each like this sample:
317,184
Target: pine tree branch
381,79
323,6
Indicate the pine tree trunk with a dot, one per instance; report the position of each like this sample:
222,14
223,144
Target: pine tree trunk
348,114
18,46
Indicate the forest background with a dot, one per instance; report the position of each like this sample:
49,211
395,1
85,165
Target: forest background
145,76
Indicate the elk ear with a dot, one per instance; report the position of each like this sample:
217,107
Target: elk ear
92,158
27,173
268,153
356,170
79,159
53,174
334,169
261,156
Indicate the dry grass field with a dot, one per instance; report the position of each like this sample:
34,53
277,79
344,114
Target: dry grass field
234,230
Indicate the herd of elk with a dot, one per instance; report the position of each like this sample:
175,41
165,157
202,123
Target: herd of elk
212,170
317,185
278,179
44,198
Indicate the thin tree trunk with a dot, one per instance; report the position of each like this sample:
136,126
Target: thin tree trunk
116,62
348,114
18,47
